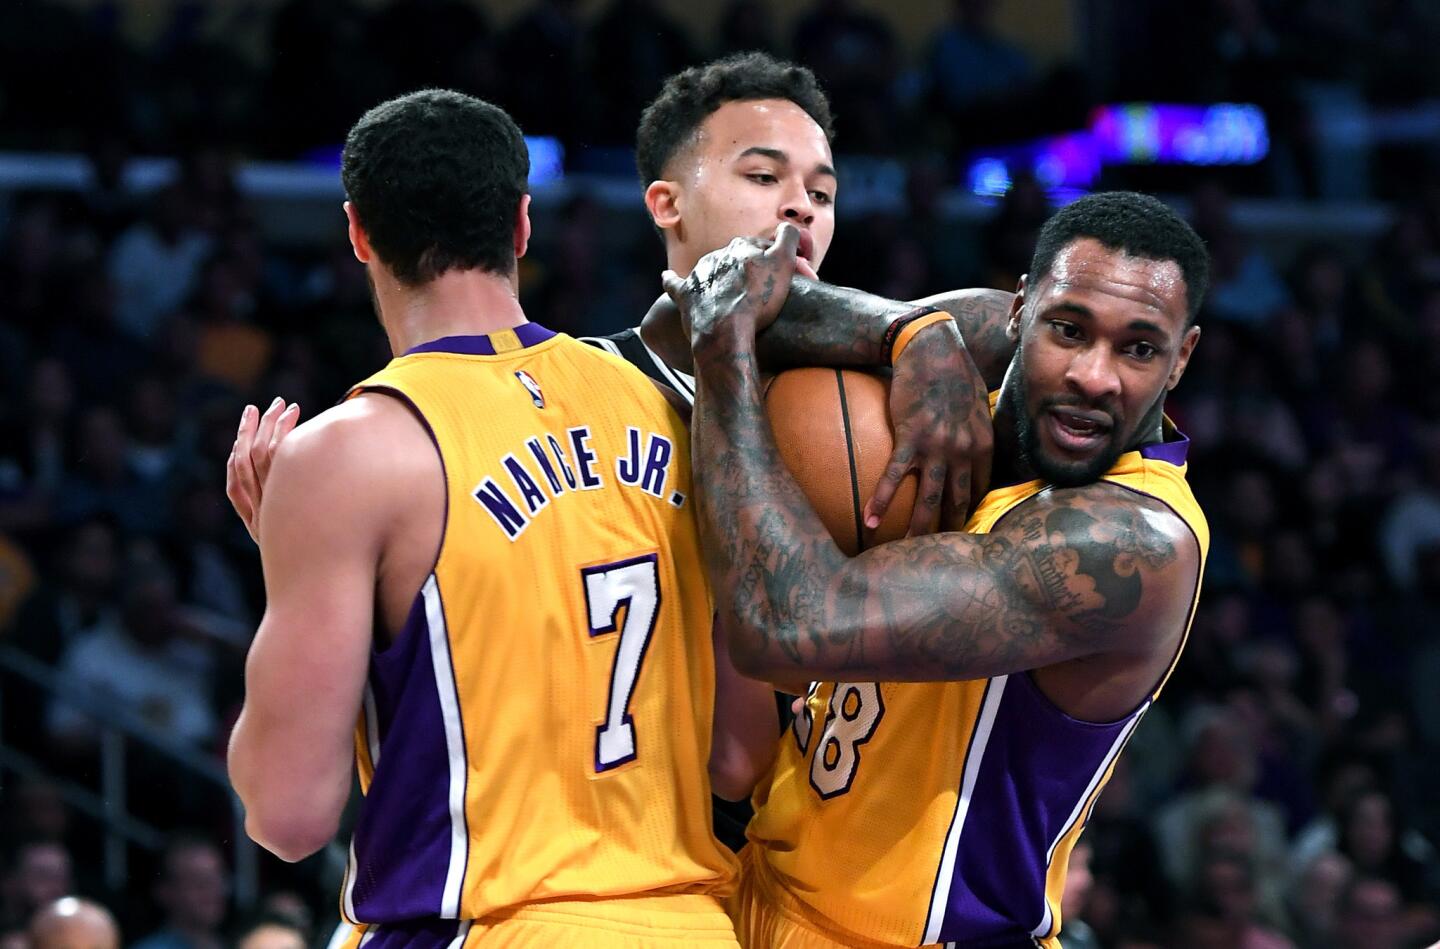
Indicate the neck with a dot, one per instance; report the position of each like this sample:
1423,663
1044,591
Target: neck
1007,461
457,303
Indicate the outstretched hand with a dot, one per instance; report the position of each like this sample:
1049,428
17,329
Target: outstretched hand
249,464
739,288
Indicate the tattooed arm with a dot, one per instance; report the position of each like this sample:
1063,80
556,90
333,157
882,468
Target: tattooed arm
1072,573
826,325
938,406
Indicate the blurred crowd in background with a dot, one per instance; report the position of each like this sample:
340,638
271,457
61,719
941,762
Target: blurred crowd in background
1280,794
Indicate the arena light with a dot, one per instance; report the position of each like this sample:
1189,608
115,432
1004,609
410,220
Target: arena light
1134,133
1146,133
1061,162
547,159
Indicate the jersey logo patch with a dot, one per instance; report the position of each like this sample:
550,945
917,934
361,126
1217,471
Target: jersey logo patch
532,387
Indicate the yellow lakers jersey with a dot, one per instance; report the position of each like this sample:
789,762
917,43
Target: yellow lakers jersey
910,814
540,728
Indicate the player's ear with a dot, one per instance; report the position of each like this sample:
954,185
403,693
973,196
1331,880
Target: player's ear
663,200
359,240
522,227
1187,346
1017,307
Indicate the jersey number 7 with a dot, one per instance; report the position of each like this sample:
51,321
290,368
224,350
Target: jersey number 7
634,584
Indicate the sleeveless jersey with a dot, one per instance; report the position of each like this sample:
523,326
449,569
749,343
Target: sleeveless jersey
916,813
540,727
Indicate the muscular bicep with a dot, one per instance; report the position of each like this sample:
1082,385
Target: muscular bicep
1071,573
320,553
305,674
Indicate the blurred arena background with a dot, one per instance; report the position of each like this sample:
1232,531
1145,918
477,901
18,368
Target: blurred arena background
172,246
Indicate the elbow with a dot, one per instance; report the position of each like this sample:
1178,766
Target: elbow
737,766
732,784
291,837
747,650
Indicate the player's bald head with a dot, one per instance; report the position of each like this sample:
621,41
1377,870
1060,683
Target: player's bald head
73,923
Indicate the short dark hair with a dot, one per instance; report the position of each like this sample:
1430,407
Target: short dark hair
687,99
435,178
1135,223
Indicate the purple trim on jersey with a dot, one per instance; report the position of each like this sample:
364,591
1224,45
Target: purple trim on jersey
402,834
414,934
529,334
1036,766
1172,452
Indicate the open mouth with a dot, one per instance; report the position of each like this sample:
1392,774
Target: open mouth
807,247
1078,431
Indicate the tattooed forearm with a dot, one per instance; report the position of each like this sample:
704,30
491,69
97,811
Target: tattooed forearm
982,316
825,325
1066,575
822,324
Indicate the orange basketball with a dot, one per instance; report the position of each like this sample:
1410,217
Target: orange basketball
833,430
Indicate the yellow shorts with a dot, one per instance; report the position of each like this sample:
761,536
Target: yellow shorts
767,917
671,921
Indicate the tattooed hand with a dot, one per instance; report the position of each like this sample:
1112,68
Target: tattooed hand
941,415
738,289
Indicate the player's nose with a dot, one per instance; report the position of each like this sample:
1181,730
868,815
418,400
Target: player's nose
1093,373
797,207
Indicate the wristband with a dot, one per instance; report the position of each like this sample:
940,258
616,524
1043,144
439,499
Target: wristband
902,331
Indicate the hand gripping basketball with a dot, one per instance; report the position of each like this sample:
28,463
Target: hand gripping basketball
739,288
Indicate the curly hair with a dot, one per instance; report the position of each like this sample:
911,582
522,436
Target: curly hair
1134,223
435,178
688,98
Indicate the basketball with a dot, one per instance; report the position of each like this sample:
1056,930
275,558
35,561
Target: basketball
833,430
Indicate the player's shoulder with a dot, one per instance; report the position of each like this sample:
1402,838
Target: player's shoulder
1107,517
359,442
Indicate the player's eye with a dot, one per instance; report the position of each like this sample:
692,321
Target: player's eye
1065,330
762,177
820,197
1144,351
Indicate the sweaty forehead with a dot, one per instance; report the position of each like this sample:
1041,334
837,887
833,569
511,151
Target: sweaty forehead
1089,268
763,123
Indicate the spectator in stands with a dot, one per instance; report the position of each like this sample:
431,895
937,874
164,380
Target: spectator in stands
543,56
151,665
1411,524
38,872
1314,894
72,923
1226,885
1220,809
193,892
1245,287
1370,915
104,484
970,64
854,54
1378,845
269,931
154,264
35,447
1078,881
79,595
634,48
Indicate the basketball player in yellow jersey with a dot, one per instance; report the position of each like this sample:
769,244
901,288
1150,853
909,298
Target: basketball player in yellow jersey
483,581
944,811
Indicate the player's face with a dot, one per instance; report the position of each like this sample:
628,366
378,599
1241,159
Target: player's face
1102,339
754,166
